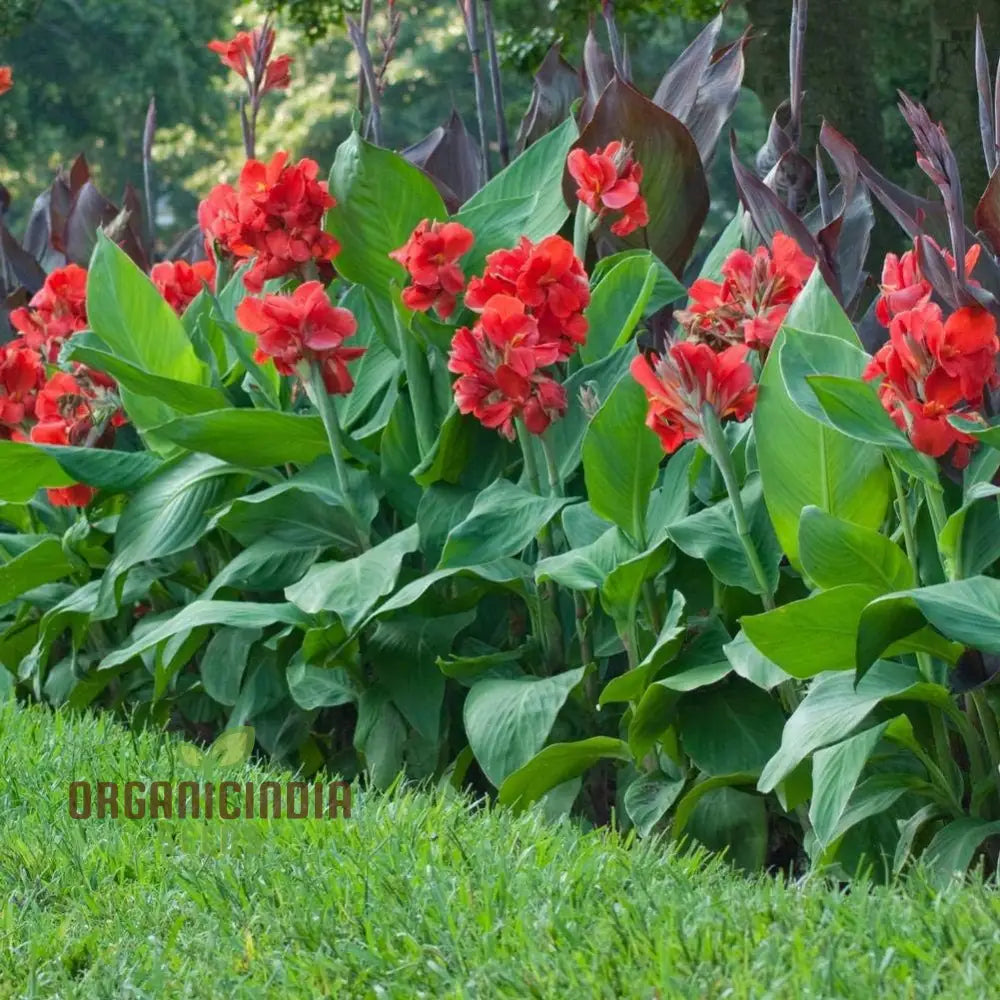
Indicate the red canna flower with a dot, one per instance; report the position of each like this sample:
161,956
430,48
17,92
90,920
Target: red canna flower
249,55
56,311
431,256
751,302
6,79
549,279
297,329
180,282
274,217
689,376
608,180
22,375
500,361
930,368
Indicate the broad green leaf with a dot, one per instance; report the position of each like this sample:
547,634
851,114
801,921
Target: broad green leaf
380,199
970,540
964,611
507,721
950,853
711,535
133,319
908,831
267,564
621,459
648,798
233,747
234,614
555,764
687,805
752,665
225,661
442,507
26,468
320,687
248,437
835,552
622,589
735,728
801,461
587,568
732,821
836,770
621,299
810,636
497,225
502,522
43,562
853,407
537,171
652,717
666,290
831,710
351,588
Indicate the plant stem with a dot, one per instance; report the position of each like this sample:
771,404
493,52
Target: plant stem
583,223
715,443
469,13
321,399
907,523
418,381
491,51
531,471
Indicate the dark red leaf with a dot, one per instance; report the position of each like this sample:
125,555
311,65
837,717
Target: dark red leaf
89,212
451,156
987,216
557,86
27,272
598,72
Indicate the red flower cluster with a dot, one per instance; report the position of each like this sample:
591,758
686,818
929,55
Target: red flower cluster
22,375
689,376
180,282
549,279
431,256
275,216
608,180
499,362
56,311
903,285
301,328
6,79
933,368
753,298
249,55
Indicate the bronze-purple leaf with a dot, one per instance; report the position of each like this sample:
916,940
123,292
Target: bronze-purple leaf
598,72
557,86
673,183
988,212
451,156
15,260
89,212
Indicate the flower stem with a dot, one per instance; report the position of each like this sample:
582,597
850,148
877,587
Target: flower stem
583,223
715,443
321,399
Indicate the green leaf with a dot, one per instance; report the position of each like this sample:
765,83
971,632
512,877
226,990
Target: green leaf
711,535
621,459
537,171
320,687
43,562
970,540
225,661
622,298
953,847
234,614
497,225
502,522
732,821
689,802
752,665
353,587
133,319
507,721
853,407
735,728
26,468
248,437
965,611
835,552
587,568
812,635
380,199
555,764
836,771
648,798
831,710
802,462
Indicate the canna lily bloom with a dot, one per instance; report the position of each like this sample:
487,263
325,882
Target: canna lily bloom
549,279
431,256
249,55
751,302
274,217
180,282
966,347
608,180
22,375
298,329
689,376
6,79
56,311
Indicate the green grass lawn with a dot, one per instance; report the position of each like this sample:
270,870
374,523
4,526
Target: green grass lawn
422,895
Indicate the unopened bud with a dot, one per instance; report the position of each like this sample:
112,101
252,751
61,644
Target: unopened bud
589,399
